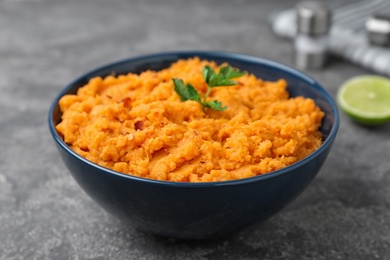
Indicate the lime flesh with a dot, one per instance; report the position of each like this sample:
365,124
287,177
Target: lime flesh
366,99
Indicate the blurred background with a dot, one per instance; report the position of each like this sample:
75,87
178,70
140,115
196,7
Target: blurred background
45,44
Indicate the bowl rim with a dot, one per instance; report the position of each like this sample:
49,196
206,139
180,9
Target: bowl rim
206,55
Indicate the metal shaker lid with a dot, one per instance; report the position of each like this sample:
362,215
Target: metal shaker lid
378,29
313,18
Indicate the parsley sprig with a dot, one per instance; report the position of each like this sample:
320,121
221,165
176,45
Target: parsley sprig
212,79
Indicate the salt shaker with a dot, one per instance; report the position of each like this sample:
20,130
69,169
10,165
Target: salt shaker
378,29
313,22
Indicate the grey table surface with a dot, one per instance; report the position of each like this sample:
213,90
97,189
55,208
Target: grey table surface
344,213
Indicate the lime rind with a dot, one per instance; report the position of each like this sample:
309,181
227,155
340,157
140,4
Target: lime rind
373,117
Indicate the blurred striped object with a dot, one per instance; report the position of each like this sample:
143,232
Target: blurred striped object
348,37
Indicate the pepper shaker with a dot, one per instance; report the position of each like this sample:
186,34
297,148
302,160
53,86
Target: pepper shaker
313,21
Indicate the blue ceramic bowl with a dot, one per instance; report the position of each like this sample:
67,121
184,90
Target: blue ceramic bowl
199,210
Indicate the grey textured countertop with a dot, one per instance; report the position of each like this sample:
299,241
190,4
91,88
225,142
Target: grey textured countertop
344,214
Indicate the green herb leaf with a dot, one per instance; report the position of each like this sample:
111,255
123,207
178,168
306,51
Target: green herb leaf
223,78
186,92
230,73
216,105
207,73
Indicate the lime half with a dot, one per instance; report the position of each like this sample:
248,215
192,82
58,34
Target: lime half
366,99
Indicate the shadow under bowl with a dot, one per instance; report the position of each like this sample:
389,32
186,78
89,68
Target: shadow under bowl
199,210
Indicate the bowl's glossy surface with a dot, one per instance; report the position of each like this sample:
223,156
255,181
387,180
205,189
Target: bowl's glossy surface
199,210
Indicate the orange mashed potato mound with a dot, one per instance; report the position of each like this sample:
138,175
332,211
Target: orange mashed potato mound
137,125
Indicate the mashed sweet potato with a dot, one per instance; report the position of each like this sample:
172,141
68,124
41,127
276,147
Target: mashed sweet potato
137,125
